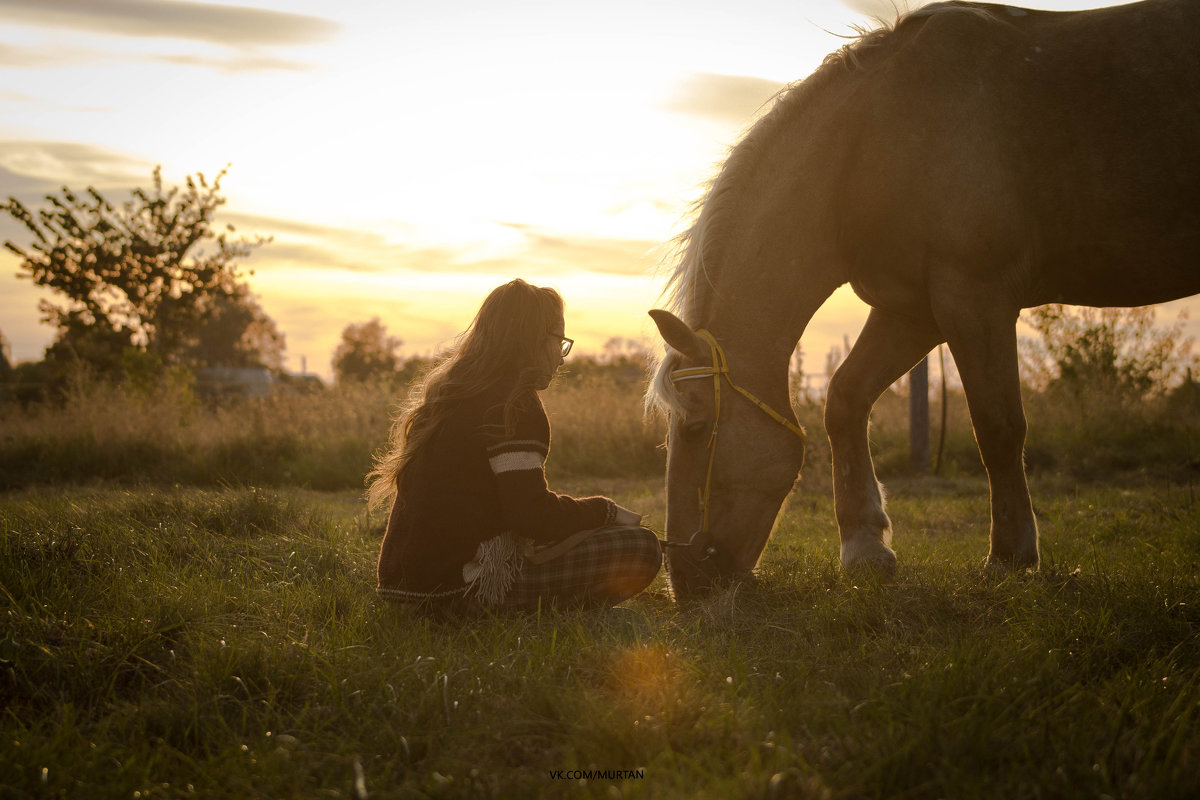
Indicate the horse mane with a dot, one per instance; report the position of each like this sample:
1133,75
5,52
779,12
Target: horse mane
689,282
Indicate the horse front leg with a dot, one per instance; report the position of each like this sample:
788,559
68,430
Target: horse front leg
887,348
983,340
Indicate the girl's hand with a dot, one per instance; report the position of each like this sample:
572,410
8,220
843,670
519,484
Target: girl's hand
627,518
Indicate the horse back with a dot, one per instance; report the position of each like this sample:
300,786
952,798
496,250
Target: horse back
1059,150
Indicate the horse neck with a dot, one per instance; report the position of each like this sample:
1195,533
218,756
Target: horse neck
763,296
767,234
771,238
759,334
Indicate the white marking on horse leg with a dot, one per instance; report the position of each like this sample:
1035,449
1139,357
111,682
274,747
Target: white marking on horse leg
867,552
870,545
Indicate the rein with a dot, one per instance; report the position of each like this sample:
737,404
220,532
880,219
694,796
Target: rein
720,371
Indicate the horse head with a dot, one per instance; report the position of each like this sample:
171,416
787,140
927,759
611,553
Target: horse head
732,458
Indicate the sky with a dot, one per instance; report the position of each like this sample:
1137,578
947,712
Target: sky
407,157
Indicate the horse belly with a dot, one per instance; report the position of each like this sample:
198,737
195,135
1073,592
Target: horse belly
1140,264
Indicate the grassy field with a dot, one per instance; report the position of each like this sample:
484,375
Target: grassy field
187,609
226,642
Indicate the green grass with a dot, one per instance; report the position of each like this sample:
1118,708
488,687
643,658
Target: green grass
160,641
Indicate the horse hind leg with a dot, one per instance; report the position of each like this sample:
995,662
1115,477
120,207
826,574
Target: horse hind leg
983,340
886,349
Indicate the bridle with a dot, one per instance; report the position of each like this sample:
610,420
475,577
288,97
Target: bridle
720,371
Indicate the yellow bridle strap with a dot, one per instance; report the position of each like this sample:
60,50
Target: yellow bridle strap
772,413
719,369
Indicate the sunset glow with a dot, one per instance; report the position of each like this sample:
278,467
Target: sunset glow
407,158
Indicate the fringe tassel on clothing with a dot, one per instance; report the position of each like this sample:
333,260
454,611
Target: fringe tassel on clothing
498,562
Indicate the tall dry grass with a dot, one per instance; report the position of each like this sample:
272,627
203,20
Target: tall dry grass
1095,435
320,440
326,440
598,429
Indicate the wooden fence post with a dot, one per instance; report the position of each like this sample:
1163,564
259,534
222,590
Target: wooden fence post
918,416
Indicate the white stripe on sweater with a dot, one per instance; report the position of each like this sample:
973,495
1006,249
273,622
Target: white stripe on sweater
512,462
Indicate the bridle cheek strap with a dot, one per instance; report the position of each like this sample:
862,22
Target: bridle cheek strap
718,371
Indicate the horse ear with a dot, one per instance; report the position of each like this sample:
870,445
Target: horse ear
677,334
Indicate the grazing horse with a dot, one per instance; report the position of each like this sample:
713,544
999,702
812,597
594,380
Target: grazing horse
969,162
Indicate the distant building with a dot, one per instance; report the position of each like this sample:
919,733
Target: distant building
234,381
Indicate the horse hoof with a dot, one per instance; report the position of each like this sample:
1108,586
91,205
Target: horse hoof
881,568
1009,564
875,559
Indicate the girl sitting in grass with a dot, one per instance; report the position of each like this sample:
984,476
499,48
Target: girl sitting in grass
473,523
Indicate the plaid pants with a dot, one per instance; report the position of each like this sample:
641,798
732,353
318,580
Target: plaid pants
606,568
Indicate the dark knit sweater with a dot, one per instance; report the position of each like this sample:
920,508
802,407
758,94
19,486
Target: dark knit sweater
472,482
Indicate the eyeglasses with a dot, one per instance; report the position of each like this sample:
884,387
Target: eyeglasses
566,344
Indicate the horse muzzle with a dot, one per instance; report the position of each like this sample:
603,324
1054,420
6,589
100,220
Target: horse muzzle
696,566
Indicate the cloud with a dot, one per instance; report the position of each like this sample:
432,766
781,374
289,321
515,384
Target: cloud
220,24
239,62
16,97
301,244
236,64
304,245
272,226
15,56
343,250
30,170
40,167
19,186
27,102
347,251
726,98
552,252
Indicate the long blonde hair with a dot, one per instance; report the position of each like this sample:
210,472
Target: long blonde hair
505,343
